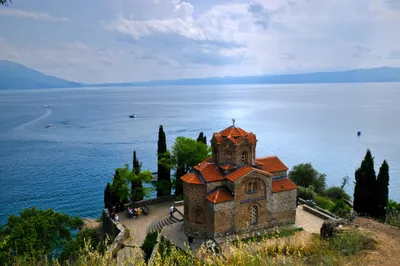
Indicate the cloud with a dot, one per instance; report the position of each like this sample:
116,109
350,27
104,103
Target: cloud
394,54
75,45
395,4
131,40
30,15
259,13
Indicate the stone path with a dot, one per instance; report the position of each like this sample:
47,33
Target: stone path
138,227
308,221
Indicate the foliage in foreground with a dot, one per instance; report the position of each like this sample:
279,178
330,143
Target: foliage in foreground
393,213
301,249
36,234
149,243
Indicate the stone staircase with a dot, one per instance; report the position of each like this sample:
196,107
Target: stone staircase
158,225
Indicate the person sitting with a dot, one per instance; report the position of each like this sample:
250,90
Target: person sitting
116,218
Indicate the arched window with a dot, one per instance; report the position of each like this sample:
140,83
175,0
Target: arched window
252,187
244,157
253,214
198,215
228,154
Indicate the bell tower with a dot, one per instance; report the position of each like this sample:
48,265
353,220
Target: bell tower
233,146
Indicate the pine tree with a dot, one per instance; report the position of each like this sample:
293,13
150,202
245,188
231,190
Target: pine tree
202,138
163,172
364,198
382,189
136,184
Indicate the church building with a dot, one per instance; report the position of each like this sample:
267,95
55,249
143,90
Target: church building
235,192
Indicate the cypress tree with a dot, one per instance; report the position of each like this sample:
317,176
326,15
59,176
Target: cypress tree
136,183
202,138
107,196
163,172
364,198
383,190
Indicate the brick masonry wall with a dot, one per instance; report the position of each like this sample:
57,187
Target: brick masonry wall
226,151
279,174
224,217
194,196
244,201
213,185
284,207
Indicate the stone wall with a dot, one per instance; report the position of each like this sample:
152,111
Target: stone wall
196,216
279,174
283,209
226,151
213,185
224,214
116,232
154,200
244,202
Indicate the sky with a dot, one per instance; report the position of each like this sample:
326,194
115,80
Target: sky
97,41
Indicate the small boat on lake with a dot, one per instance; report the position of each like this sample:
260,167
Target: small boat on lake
132,116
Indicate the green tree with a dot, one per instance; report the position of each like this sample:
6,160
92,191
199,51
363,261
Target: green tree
36,234
364,189
136,183
90,237
304,175
164,184
107,196
337,193
202,138
383,190
186,153
122,184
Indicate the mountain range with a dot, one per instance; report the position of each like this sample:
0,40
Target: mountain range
16,76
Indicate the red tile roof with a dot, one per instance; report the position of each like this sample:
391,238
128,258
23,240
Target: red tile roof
239,173
191,178
226,167
234,134
220,195
282,185
209,171
271,164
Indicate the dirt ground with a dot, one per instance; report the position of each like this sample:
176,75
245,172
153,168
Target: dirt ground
387,250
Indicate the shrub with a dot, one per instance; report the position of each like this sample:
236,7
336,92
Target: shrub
324,203
341,209
350,242
393,213
148,244
336,193
306,193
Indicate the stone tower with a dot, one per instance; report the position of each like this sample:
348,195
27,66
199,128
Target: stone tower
234,146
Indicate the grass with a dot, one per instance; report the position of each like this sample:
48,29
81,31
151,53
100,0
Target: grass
324,203
301,248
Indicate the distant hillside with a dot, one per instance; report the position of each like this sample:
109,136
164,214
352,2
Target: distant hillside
382,74
17,76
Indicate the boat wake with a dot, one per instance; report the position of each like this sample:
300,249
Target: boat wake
47,112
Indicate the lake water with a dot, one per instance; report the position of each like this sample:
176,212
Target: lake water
66,166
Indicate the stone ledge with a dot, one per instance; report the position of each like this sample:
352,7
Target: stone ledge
318,213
